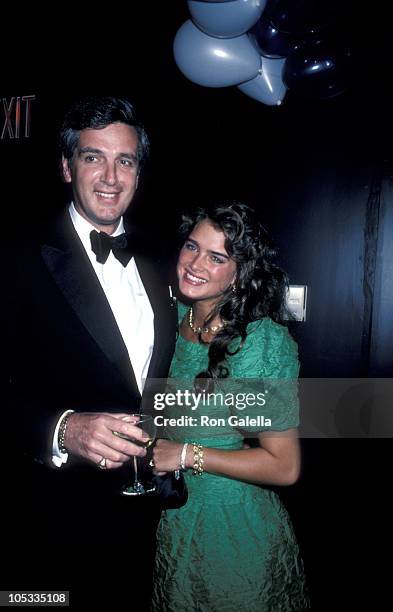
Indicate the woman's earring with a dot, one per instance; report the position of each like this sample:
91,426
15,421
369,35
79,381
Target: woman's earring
233,288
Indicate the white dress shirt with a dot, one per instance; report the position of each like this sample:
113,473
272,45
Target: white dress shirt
129,303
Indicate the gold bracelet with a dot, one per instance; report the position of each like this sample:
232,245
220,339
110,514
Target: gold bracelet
62,431
197,468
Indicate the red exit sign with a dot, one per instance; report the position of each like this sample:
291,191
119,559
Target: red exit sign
15,116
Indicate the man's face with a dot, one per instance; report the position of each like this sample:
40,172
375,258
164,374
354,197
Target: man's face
104,174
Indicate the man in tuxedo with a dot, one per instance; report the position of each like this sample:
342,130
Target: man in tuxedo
86,322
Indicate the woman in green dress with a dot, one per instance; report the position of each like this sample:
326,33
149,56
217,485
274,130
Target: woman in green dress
232,546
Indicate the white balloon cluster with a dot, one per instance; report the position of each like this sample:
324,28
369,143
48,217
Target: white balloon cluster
213,49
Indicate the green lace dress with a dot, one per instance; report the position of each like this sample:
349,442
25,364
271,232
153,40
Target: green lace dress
232,546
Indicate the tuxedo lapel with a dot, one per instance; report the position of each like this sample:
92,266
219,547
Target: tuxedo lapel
165,317
70,267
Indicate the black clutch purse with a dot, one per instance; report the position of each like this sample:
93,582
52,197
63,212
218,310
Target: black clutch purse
171,489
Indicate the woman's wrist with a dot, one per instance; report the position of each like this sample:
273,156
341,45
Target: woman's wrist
198,465
183,456
189,459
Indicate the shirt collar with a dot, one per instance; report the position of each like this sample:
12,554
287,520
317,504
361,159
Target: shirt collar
84,227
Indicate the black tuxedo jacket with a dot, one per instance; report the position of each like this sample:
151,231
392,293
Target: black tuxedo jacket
63,347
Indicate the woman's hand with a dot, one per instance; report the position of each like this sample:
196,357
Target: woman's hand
166,456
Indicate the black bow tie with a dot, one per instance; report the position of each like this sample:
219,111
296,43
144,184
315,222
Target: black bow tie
102,244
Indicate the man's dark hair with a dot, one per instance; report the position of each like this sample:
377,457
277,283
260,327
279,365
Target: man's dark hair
97,113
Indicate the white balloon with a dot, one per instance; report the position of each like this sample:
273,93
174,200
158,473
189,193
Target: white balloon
214,62
268,86
226,20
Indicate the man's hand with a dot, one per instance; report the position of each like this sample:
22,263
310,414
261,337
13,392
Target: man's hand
90,435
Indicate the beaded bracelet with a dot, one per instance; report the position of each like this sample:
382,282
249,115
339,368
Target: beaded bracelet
198,459
62,431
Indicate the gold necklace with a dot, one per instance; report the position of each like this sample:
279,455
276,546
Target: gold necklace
213,329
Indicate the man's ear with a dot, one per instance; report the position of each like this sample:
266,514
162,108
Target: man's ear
137,180
67,176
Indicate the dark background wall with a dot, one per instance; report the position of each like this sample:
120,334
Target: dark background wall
318,171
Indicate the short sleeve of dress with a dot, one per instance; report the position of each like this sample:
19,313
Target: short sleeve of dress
264,380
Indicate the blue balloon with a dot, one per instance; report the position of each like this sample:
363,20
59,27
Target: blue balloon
319,70
271,41
303,16
214,62
226,20
268,87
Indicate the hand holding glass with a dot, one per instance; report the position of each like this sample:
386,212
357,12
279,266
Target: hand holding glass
146,423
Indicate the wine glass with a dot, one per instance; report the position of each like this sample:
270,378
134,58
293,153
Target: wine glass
148,426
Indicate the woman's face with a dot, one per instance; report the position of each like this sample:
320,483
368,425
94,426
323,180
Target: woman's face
204,268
